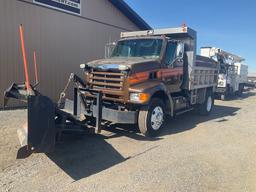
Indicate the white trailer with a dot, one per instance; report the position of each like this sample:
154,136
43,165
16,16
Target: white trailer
233,72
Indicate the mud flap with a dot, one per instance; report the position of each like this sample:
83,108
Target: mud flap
40,133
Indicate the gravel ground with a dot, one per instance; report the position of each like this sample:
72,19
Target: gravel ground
215,153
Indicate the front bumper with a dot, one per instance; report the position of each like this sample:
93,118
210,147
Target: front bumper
117,116
100,111
220,90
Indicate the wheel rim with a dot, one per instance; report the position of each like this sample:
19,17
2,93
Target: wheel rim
209,104
157,118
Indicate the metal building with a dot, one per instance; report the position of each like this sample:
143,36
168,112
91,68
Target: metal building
63,33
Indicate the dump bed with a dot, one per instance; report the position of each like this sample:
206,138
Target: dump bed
204,73
200,72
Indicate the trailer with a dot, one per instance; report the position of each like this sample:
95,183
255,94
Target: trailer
149,75
232,72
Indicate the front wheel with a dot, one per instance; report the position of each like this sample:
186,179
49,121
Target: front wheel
151,118
206,107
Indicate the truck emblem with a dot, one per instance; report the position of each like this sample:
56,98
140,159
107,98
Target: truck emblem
108,66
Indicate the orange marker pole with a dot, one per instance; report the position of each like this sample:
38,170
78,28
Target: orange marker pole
35,67
24,59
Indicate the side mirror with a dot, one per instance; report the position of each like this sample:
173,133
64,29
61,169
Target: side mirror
180,50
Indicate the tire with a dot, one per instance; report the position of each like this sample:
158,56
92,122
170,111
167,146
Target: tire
240,90
206,108
150,120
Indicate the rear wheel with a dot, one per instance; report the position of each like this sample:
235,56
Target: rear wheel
151,118
240,90
206,107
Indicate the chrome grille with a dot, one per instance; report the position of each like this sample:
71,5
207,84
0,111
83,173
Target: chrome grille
107,80
110,83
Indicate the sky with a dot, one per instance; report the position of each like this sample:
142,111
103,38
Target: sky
226,24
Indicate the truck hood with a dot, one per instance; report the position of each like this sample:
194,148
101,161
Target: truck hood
133,64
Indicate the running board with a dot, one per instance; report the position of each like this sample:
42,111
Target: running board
184,111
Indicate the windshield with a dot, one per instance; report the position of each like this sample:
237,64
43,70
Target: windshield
149,48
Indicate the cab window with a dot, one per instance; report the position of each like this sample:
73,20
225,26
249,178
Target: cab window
170,53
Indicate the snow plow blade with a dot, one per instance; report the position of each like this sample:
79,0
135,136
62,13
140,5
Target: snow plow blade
39,134
46,120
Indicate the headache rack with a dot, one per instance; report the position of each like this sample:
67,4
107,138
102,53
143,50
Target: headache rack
179,31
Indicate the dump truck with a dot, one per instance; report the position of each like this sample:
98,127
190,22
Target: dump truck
149,75
232,72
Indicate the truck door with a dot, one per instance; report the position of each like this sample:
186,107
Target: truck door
172,73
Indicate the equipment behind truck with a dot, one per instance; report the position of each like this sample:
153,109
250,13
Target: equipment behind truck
232,73
149,75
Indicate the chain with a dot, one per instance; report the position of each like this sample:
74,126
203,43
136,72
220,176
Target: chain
63,93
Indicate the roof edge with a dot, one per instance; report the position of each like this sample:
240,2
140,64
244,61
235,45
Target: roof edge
131,14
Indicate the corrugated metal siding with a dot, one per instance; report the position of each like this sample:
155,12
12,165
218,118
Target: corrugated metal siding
62,41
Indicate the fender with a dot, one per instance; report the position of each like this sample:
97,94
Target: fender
152,88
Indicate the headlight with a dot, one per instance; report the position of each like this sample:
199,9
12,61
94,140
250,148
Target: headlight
139,97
